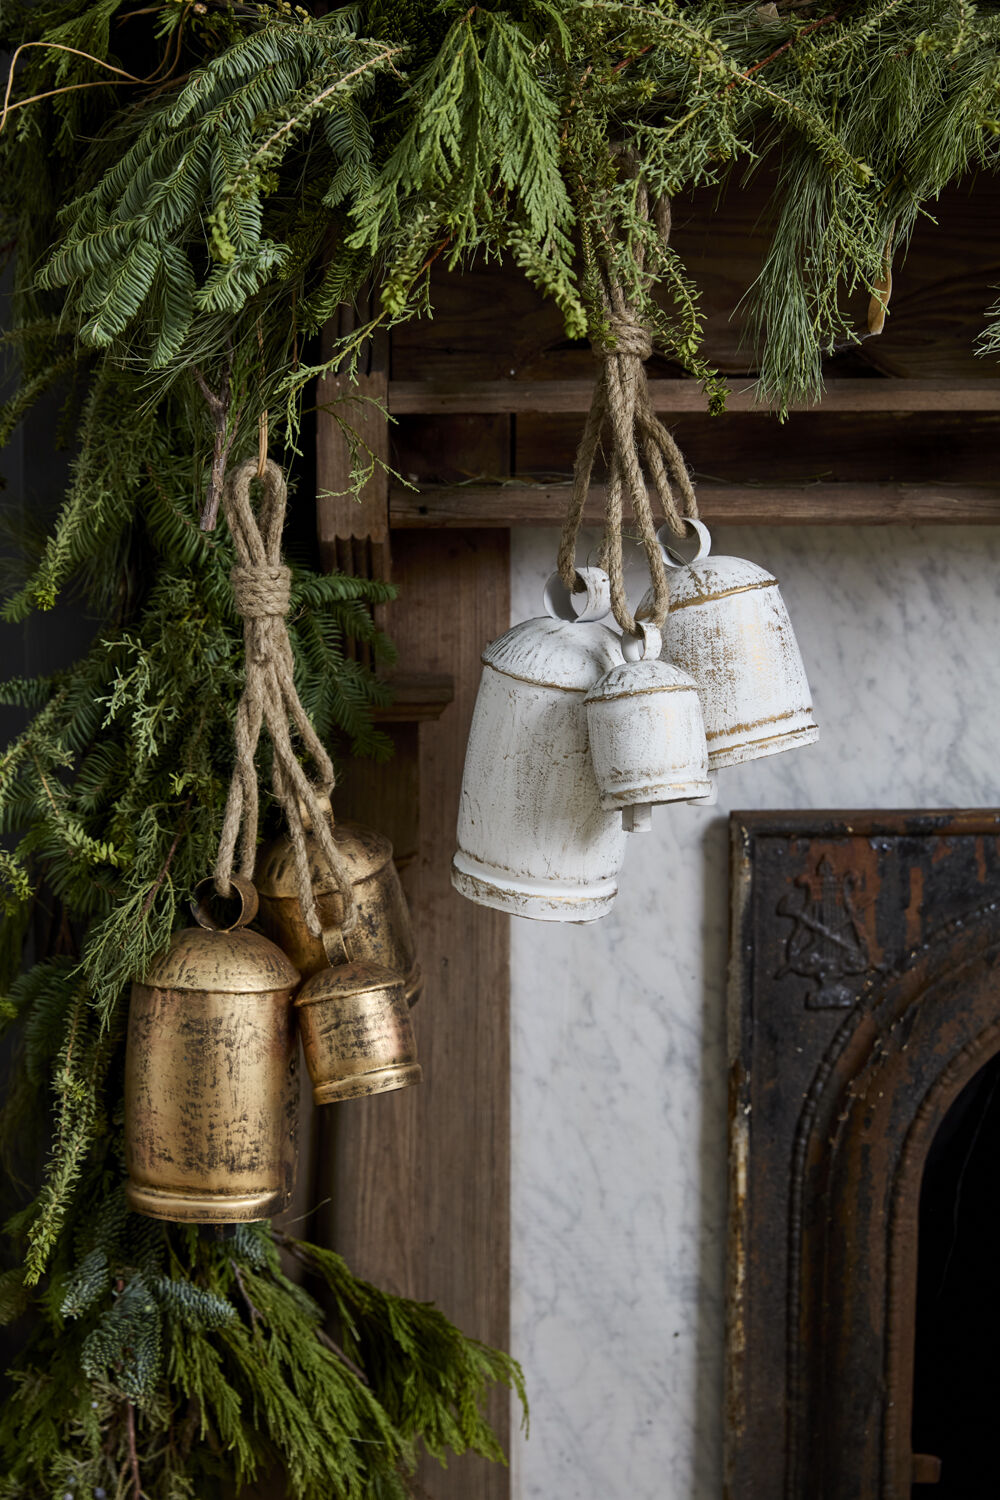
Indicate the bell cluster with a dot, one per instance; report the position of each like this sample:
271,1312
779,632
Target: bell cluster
212,1054
579,732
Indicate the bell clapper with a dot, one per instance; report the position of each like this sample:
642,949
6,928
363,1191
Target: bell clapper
638,817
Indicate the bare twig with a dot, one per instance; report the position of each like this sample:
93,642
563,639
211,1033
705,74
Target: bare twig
165,867
133,1451
293,1248
255,1313
225,432
334,1348
813,26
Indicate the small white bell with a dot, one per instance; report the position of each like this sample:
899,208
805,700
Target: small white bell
729,628
533,838
647,736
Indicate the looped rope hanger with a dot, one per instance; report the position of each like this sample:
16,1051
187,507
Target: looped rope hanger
262,588
621,398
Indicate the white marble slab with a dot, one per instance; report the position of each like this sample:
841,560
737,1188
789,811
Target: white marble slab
619,1113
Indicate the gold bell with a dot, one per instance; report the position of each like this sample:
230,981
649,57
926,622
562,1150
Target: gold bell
356,1032
383,934
211,1084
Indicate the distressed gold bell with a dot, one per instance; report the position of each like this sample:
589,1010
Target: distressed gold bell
383,934
211,1085
357,1035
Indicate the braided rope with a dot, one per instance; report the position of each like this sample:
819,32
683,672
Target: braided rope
262,588
621,400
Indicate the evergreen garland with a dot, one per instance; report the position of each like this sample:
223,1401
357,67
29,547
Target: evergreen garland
192,188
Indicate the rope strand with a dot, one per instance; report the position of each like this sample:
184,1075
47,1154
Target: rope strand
621,399
262,590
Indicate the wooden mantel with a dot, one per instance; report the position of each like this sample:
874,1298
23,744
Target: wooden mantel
485,403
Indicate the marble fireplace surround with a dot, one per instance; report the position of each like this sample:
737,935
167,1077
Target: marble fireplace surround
619,1128
864,996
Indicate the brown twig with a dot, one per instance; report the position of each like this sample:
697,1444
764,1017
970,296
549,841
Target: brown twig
813,26
255,1313
292,1246
225,432
70,88
133,1451
334,1348
165,868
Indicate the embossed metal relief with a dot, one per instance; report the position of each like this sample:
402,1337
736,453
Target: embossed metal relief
828,941
865,993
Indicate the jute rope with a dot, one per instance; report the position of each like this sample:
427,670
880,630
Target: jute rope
261,586
621,399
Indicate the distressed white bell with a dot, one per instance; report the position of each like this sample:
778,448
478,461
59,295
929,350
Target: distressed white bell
647,736
729,629
533,838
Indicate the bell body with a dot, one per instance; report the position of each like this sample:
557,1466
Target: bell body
647,737
357,1035
383,934
728,628
211,1086
533,838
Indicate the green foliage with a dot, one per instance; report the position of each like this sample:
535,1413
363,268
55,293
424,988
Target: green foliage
274,159
192,190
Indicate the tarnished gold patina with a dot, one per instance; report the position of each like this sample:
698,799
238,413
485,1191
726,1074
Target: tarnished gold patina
383,934
211,1086
356,1032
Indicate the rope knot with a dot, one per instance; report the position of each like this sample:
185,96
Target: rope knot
630,337
262,592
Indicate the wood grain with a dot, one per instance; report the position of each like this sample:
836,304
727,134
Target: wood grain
409,397
419,1180
505,505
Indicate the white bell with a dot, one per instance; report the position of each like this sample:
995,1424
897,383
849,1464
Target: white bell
533,838
729,628
647,736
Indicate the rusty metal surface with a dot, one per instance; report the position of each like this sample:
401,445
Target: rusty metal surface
864,994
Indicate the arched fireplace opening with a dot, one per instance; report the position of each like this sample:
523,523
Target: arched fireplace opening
865,1149
956,1375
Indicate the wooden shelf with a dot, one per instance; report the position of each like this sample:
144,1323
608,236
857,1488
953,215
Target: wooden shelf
416,697
554,397
799,505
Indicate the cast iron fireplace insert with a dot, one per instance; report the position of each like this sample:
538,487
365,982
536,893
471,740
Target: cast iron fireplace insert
864,1015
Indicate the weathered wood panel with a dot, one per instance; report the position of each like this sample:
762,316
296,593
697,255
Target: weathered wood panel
516,504
419,1180
551,397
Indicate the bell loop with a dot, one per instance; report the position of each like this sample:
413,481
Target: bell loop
647,644
670,547
558,599
207,896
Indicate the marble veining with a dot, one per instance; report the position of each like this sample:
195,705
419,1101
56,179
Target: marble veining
619,1097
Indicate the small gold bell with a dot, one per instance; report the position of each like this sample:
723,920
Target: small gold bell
211,1085
383,934
356,1032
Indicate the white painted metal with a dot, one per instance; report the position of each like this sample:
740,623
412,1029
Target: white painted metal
533,838
729,629
647,736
